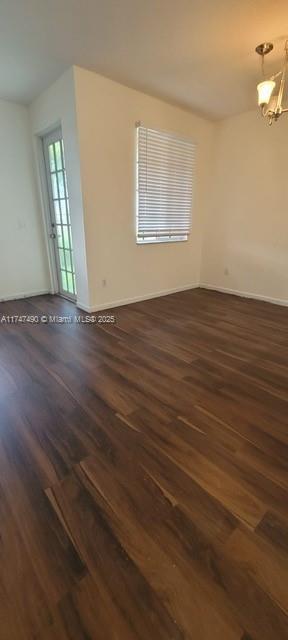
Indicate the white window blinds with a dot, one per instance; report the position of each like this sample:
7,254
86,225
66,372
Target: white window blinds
165,171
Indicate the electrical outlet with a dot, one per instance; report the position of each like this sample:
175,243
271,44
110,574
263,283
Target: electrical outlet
226,271
104,282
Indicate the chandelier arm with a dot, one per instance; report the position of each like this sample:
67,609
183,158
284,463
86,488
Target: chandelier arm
276,75
282,83
264,111
267,112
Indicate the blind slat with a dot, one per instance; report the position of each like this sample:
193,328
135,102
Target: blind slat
165,172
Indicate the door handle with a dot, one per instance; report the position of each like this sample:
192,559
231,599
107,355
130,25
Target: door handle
52,235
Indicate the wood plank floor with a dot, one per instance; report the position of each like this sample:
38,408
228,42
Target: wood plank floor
144,471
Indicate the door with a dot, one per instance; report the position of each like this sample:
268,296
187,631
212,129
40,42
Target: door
59,222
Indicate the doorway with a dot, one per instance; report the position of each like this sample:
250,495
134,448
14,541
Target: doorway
59,224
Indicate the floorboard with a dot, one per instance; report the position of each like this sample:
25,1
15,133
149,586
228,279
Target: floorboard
144,470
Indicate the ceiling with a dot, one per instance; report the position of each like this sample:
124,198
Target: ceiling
196,53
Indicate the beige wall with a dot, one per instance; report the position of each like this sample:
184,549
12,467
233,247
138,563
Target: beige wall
246,233
106,116
54,107
239,238
23,257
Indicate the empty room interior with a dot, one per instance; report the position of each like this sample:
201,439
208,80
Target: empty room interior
144,320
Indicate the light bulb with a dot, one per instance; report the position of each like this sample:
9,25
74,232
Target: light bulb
265,90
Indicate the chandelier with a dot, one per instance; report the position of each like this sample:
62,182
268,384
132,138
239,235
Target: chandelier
269,100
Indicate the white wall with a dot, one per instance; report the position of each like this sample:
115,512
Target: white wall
240,207
54,107
106,116
246,234
23,257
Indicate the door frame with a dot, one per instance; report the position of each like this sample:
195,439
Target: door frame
50,136
45,204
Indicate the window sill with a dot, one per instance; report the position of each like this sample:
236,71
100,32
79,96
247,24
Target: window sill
162,240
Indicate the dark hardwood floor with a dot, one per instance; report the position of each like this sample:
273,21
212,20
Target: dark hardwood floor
144,472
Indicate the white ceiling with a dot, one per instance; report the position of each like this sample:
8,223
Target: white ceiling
197,53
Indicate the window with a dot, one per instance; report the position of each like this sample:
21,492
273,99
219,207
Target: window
165,170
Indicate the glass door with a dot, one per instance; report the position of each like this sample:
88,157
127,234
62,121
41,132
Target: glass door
60,222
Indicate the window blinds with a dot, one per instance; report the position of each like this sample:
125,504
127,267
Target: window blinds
165,171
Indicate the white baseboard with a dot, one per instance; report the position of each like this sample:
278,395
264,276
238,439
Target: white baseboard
121,303
244,294
27,294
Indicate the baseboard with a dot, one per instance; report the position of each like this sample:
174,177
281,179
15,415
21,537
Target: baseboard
244,294
148,296
165,292
27,294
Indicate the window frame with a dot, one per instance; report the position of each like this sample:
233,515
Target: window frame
162,238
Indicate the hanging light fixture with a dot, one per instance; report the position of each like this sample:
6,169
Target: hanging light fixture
271,104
